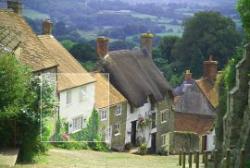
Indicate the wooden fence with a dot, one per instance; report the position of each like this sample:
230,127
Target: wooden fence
202,159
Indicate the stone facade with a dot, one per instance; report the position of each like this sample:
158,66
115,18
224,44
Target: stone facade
164,127
236,128
113,137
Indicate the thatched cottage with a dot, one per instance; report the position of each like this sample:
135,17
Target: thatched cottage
134,74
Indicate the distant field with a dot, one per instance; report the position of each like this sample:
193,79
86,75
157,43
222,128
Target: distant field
34,15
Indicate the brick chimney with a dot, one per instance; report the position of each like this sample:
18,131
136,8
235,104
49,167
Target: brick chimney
210,69
147,42
102,46
47,27
15,5
188,75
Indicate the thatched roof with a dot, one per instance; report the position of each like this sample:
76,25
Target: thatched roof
34,54
106,95
135,75
70,72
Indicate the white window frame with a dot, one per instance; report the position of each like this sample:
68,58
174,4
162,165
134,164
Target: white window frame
77,123
117,127
164,120
118,110
82,94
68,97
101,114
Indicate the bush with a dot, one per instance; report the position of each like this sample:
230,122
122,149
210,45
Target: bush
143,149
163,152
128,146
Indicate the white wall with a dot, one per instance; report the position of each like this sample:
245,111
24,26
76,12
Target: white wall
211,141
141,111
77,108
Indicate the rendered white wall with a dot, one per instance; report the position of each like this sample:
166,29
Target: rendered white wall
141,111
210,141
77,108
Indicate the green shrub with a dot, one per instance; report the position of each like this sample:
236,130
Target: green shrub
128,146
143,149
163,152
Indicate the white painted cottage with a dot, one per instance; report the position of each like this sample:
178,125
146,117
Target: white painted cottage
75,87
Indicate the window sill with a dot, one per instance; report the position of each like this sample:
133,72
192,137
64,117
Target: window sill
105,119
118,114
163,122
117,134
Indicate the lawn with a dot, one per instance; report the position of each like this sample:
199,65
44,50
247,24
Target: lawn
58,158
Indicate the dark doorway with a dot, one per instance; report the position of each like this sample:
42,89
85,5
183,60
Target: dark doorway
133,132
153,143
204,143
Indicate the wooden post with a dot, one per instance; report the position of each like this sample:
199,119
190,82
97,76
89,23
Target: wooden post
205,159
242,158
228,159
197,160
184,160
215,158
180,158
190,160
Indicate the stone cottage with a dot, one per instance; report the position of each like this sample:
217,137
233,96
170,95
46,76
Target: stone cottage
134,74
195,106
112,108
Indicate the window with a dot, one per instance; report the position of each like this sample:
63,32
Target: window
163,140
104,114
117,129
153,120
164,116
118,110
78,123
68,97
82,94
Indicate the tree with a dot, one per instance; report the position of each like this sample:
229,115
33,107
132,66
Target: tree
244,10
205,34
20,108
167,44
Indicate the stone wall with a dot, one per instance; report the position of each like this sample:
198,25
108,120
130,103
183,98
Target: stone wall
236,127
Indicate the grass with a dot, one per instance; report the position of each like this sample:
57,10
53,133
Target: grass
58,158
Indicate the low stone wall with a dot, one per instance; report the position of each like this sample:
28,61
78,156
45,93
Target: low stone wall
183,141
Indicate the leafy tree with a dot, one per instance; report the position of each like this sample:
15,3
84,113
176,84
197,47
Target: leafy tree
167,44
207,33
244,10
20,108
83,52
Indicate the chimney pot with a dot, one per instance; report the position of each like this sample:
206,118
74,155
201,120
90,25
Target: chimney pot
147,42
102,46
47,27
210,70
188,75
15,5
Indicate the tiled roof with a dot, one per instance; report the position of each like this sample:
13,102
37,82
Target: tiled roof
106,94
209,90
199,124
34,54
71,73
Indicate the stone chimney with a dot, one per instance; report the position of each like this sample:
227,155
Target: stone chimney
147,42
15,5
210,69
102,46
47,27
188,75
